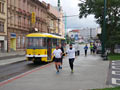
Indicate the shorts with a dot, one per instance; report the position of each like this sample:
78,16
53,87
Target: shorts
57,59
61,59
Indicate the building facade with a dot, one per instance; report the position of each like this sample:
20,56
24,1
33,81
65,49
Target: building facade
53,16
75,34
29,16
56,23
20,21
62,26
3,25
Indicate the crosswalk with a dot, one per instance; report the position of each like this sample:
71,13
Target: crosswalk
115,73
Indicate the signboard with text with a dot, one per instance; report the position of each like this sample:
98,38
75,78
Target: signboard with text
33,18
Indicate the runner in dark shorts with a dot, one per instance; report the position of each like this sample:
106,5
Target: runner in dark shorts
57,53
62,49
58,60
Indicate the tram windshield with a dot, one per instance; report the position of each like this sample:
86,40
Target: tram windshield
36,43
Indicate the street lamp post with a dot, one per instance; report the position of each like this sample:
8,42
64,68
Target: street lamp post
104,30
65,27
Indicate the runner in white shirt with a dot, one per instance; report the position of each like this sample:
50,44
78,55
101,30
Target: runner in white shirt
57,53
71,56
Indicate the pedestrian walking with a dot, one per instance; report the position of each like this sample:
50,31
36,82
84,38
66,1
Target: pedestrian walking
71,56
86,48
91,48
62,49
57,53
94,48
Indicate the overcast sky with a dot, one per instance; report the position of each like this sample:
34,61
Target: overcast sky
70,7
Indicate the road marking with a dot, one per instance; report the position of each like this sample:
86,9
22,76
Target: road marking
113,64
113,61
116,64
23,74
114,67
114,72
114,81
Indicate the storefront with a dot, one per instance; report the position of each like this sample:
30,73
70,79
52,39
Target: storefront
13,42
3,44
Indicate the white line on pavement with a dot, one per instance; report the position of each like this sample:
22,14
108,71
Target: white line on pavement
113,61
114,81
113,67
115,72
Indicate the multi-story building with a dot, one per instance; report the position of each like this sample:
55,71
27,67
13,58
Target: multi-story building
3,25
53,16
56,24
62,27
75,34
20,23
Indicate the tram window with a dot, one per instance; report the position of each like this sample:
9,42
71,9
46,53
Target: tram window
54,42
36,43
63,42
42,42
58,41
29,42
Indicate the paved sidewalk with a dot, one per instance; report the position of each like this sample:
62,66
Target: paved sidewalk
12,60
11,55
89,72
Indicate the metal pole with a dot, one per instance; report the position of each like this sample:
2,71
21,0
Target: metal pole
90,33
104,30
65,27
58,26
59,5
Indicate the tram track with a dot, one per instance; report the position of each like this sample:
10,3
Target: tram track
17,68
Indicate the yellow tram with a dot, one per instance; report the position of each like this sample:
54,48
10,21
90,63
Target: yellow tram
39,46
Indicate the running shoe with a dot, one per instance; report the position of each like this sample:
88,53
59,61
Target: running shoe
57,72
72,71
60,67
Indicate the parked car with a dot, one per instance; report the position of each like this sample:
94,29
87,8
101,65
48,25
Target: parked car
99,50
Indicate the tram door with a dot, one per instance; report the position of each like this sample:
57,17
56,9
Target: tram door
49,48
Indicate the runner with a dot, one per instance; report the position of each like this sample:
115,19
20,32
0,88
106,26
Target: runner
86,48
71,56
91,48
62,49
57,53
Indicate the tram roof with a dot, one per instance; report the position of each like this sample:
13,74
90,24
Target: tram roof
44,35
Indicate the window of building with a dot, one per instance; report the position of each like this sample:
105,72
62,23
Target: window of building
1,26
18,41
24,1
19,20
29,22
23,42
2,8
24,21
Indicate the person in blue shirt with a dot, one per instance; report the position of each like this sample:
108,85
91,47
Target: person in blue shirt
86,48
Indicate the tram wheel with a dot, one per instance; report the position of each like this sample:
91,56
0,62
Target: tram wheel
35,62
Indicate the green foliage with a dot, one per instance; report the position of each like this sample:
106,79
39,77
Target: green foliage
115,88
114,56
96,7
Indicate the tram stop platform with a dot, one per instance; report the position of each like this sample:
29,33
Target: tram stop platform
89,73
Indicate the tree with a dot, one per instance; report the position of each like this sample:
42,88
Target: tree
96,7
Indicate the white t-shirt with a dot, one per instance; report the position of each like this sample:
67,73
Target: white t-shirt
57,53
71,53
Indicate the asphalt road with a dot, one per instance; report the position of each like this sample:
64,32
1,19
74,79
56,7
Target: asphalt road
10,70
14,69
